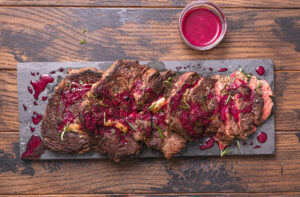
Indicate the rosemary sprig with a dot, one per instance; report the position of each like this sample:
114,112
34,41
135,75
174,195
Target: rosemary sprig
225,151
152,106
259,85
83,31
186,103
185,107
231,83
81,82
228,99
168,81
102,104
247,75
104,118
130,124
160,132
92,109
203,103
238,143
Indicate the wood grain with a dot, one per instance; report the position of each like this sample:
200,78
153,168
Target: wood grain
151,3
287,104
53,34
277,173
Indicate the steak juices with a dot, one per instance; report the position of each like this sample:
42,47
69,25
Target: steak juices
202,25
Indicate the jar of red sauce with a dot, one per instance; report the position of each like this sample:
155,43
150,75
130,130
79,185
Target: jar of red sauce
202,25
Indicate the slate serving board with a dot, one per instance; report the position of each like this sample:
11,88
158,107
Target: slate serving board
203,67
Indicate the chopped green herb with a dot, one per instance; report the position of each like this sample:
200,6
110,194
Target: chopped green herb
160,132
113,131
168,81
231,83
130,124
238,143
203,103
83,41
151,106
228,99
83,31
92,109
225,151
81,82
186,103
60,119
104,118
184,107
102,104
62,135
259,84
247,75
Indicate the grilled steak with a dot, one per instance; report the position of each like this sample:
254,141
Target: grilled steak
61,128
131,104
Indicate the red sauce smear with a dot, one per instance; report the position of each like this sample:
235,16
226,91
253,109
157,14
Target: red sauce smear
208,143
24,107
61,69
75,92
37,73
35,103
32,129
37,119
41,84
256,146
223,70
262,137
201,27
34,148
260,70
44,98
30,90
32,74
53,72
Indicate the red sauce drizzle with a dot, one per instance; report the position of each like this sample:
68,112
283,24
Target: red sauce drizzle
35,103
256,146
32,74
53,72
208,143
30,90
223,70
211,69
34,148
36,119
41,84
44,98
75,92
37,73
32,129
262,137
24,107
260,70
61,69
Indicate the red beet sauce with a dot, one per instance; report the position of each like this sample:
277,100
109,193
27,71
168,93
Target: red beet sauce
34,148
37,118
262,137
260,70
40,85
201,27
208,143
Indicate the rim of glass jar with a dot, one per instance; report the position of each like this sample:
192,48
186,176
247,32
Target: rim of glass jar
193,5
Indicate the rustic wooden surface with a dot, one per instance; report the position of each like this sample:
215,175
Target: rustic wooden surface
42,30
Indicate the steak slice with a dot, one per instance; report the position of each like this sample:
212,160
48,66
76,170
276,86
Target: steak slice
61,129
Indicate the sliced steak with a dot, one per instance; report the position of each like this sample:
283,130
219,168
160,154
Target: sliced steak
61,129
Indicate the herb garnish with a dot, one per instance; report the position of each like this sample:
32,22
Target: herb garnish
168,81
104,118
152,106
102,104
203,103
259,85
247,75
81,82
238,143
186,103
225,151
83,31
130,124
63,131
228,99
83,41
160,132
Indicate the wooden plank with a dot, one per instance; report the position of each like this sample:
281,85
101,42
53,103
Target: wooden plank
287,110
151,3
53,34
277,173
274,194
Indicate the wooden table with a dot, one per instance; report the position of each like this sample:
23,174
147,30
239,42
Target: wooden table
45,30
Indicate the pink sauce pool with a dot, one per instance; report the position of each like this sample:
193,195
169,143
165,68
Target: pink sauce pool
260,70
201,27
262,137
41,84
